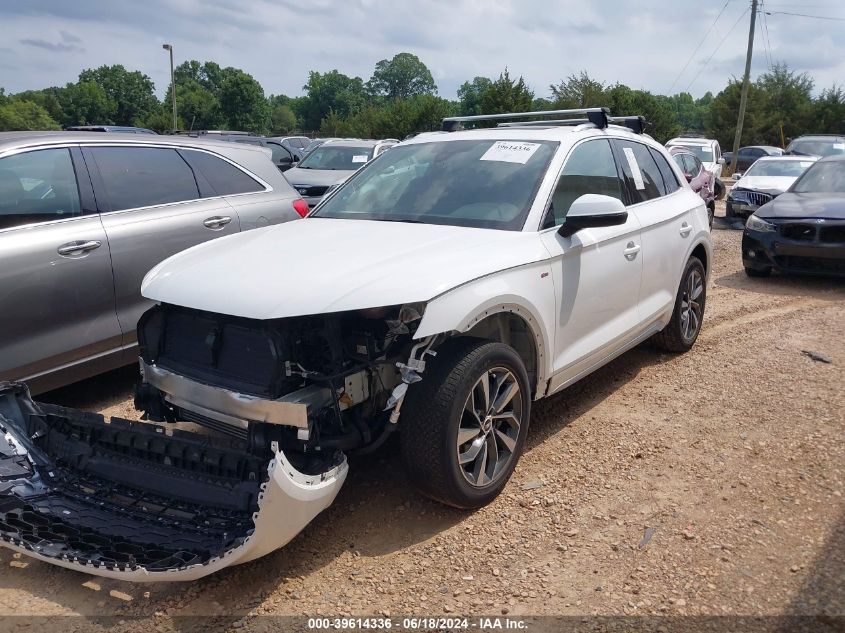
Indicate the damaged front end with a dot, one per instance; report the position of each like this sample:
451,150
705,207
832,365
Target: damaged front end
246,426
136,501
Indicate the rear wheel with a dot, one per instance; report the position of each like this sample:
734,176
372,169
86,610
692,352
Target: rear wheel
682,331
711,213
463,427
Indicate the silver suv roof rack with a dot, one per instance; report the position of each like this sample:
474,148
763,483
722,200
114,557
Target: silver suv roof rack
600,117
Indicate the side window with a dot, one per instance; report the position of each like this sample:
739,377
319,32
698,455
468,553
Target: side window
224,178
670,180
641,172
280,153
717,152
37,186
590,168
136,177
696,166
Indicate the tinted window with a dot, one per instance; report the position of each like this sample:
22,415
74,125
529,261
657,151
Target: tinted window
590,168
695,166
827,177
670,180
224,178
818,147
37,186
144,176
481,183
640,170
337,157
280,153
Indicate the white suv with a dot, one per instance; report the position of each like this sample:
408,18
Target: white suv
439,291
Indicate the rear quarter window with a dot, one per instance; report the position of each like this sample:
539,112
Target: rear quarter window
222,177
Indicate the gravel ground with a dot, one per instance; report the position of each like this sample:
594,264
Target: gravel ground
704,484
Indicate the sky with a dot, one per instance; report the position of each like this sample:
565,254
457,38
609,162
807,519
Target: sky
648,44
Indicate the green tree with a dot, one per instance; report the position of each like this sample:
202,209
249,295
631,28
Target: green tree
469,95
578,91
131,91
198,108
657,110
723,113
86,103
19,114
829,111
402,77
787,105
331,91
282,120
242,102
506,95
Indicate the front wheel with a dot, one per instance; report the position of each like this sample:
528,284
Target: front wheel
464,425
687,316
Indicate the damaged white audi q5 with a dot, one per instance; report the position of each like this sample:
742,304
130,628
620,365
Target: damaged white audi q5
436,294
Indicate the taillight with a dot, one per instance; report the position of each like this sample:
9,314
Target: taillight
301,207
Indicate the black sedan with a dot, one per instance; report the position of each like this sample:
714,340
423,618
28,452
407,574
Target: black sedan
803,230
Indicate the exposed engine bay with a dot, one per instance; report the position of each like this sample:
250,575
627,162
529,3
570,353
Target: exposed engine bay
247,425
311,384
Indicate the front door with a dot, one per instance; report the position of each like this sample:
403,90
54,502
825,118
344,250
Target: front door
56,291
596,271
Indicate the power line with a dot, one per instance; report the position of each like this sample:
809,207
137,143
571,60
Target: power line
804,15
722,41
764,35
704,39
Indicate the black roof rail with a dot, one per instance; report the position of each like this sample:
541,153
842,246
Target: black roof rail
597,116
636,124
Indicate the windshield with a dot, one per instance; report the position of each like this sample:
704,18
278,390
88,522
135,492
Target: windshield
774,168
476,183
826,177
705,154
336,157
819,147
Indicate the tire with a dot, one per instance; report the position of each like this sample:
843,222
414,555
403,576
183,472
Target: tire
677,336
438,408
758,272
711,213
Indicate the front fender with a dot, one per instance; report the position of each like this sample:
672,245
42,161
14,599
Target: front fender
526,291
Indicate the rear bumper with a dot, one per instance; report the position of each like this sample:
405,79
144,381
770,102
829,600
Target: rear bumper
132,501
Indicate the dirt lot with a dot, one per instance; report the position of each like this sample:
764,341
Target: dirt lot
709,483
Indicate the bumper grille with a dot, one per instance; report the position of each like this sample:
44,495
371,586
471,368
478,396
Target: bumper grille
758,198
832,234
811,264
797,231
312,192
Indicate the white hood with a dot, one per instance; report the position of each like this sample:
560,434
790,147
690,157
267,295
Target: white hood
769,184
320,265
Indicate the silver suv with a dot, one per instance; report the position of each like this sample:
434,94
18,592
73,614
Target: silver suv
84,216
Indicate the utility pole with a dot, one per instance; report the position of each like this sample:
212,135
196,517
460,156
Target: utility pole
745,79
169,47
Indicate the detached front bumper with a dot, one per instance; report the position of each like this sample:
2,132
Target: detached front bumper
135,501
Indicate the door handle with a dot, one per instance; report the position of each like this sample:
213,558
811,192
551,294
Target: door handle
685,229
216,222
78,248
631,250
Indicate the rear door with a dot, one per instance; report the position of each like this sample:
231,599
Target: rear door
596,272
56,288
665,216
151,209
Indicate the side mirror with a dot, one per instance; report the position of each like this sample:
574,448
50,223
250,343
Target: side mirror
295,158
593,210
688,176
721,160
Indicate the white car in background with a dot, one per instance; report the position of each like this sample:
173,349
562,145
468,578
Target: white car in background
765,180
437,293
708,152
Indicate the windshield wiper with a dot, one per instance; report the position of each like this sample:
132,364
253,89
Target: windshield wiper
398,220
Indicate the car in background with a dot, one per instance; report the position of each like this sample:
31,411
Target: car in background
746,156
701,180
765,180
282,156
817,145
82,220
728,157
708,152
330,164
803,230
295,144
123,129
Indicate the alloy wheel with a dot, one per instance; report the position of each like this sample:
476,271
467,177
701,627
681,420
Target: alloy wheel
691,305
489,427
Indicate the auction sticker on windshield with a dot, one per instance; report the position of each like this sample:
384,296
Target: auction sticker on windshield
510,152
359,158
